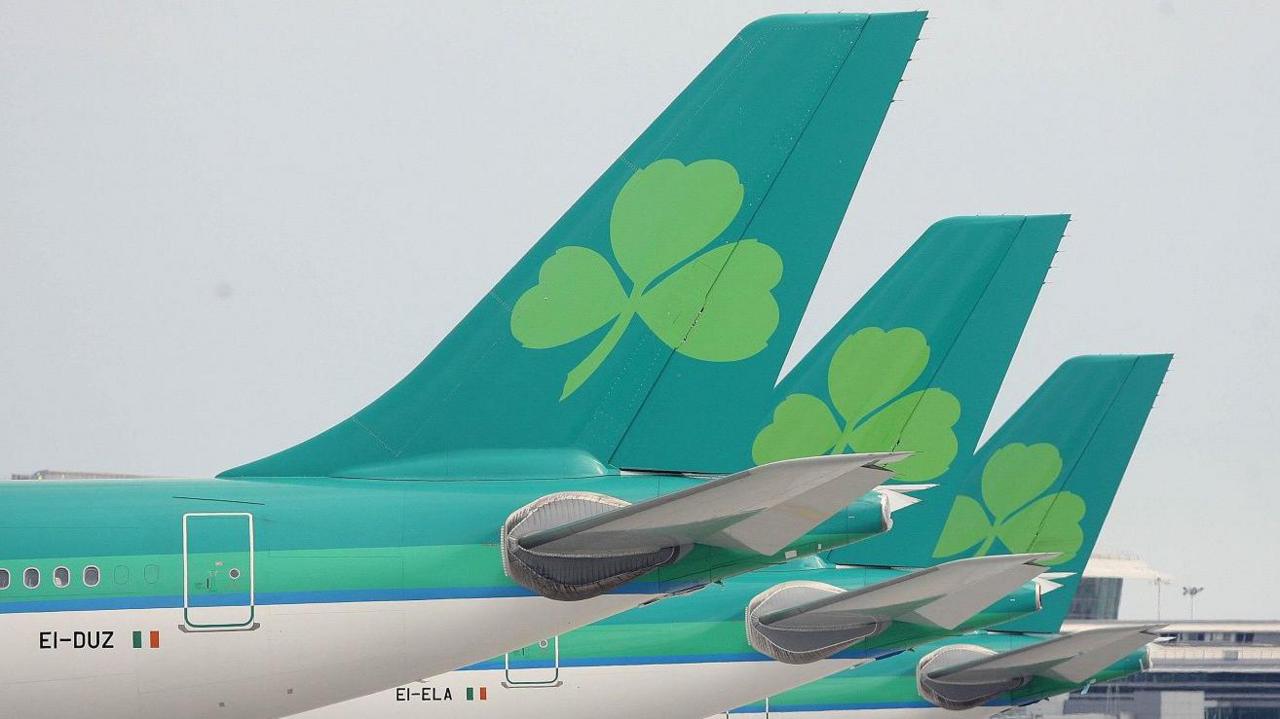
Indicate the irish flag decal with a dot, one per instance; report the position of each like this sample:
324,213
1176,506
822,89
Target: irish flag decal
480,693
146,640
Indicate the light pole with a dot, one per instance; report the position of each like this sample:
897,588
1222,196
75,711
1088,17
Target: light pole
1190,593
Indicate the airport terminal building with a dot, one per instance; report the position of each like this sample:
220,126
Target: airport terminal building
1207,668
1214,669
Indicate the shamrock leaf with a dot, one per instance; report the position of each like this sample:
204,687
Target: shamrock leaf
668,211
921,422
868,373
966,527
717,306
1017,474
1013,509
872,367
802,427
1050,524
576,294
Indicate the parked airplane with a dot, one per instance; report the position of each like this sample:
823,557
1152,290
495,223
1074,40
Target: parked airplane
1043,483
1037,485
923,353
559,442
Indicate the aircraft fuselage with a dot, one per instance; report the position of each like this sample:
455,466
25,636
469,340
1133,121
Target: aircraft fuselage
262,598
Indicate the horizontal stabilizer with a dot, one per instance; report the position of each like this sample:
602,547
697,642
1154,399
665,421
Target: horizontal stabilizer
967,586
801,622
943,596
901,496
1052,581
762,509
1072,658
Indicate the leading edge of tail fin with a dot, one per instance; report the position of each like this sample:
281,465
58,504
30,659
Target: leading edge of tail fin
1045,480
677,280
918,361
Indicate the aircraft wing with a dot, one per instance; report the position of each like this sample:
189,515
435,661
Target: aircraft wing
762,509
1073,657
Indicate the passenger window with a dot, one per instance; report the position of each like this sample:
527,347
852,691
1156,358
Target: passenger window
92,575
31,578
4,579
61,577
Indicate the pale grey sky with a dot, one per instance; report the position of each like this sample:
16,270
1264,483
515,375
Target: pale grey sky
225,226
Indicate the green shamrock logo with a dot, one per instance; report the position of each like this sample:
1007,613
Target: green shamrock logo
1013,510
868,374
707,307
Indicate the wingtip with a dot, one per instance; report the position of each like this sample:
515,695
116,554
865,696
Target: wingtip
878,460
872,460
1041,559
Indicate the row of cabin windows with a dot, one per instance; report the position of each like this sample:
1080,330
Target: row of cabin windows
90,576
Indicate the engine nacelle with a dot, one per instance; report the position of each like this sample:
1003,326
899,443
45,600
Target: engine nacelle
570,576
955,695
805,637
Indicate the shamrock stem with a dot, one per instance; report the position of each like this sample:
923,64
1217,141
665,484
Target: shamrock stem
845,441
592,361
986,546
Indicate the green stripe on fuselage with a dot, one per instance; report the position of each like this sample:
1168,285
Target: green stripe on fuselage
323,535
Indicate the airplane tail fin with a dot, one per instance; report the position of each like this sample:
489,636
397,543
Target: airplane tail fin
677,280
962,676
917,362
1045,480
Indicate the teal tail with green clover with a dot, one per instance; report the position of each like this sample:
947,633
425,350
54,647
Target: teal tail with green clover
1045,480
676,281
917,362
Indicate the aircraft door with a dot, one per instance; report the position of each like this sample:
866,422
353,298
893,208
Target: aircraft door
218,570
537,665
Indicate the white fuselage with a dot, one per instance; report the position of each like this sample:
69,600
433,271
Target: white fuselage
616,691
56,665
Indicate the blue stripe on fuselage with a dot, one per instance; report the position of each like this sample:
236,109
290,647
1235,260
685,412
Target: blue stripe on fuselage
847,706
659,660
336,596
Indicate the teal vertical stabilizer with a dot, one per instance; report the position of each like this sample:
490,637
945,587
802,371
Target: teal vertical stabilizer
645,329
917,362
1045,480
